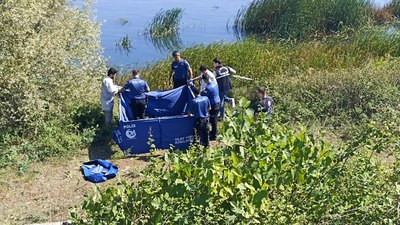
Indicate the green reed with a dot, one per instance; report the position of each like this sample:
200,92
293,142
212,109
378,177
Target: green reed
165,23
124,44
301,19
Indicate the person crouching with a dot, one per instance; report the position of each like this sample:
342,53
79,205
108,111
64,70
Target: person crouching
199,108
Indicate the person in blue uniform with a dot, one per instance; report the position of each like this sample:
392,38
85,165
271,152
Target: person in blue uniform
211,91
199,108
137,87
181,71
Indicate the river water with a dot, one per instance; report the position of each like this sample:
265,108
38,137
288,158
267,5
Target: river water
203,22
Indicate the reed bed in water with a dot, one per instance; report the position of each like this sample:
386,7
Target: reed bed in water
165,23
301,19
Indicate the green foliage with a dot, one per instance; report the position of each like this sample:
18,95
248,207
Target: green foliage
163,30
269,171
301,19
261,173
124,44
165,23
349,79
49,55
337,98
54,139
87,116
393,7
262,60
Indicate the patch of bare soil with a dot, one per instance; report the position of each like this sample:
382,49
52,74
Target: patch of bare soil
49,190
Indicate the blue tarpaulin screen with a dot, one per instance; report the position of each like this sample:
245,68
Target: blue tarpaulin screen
159,103
165,131
170,127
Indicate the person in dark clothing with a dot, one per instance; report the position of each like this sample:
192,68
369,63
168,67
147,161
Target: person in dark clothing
211,91
222,74
137,87
181,71
265,103
199,108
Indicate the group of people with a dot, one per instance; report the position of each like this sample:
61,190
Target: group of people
137,86
208,105
181,74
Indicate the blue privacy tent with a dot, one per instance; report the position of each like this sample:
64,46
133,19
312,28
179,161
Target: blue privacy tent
168,125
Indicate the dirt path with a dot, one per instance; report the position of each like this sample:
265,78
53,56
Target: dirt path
50,189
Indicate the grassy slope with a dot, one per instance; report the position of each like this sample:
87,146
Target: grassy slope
49,189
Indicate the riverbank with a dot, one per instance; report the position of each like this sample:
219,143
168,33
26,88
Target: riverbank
50,189
341,86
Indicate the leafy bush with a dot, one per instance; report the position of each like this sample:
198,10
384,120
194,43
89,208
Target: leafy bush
300,19
54,139
261,173
49,57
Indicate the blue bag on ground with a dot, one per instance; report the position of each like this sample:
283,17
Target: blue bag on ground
98,170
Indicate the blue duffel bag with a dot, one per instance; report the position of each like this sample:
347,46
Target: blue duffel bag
99,170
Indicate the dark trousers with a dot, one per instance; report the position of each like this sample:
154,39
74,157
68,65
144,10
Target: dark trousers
202,131
178,83
214,121
138,108
224,98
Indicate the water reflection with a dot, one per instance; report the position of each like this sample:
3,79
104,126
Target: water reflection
166,43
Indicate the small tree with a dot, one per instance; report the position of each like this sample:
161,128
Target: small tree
49,56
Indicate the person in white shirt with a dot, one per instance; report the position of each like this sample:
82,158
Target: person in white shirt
204,70
108,90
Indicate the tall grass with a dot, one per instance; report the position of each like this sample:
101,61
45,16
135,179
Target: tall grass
394,8
266,59
165,23
387,14
332,81
300,19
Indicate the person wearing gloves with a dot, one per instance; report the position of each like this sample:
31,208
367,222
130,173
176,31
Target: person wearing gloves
108,90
